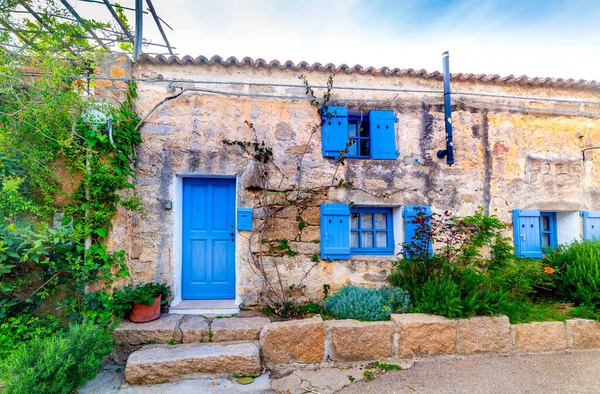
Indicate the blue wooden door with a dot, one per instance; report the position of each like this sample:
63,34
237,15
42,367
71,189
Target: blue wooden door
208,239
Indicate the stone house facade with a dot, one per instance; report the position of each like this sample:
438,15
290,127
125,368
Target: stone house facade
519,150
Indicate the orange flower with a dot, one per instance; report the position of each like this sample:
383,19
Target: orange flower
549,270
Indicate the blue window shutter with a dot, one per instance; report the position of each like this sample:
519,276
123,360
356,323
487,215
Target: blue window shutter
334,131
409,214
383,135
591,224
335,231
528,242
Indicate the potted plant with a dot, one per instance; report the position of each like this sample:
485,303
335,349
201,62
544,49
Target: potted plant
142,303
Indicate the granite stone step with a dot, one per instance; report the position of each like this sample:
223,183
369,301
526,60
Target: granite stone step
189,329
238,328
154,364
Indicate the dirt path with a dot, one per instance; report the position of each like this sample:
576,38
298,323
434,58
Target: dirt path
563,372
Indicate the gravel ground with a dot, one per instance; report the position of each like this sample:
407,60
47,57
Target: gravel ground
560,372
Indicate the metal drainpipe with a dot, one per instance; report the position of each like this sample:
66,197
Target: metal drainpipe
139,21
448,153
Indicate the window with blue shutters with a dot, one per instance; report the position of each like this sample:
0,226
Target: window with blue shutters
410,214
335,231
371,231
369,135
534,232
591,224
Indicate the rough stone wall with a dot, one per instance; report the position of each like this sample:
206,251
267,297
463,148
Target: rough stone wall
505,160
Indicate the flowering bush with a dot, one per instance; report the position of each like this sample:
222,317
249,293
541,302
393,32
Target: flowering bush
473,271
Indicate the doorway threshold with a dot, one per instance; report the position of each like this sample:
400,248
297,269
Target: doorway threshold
205,307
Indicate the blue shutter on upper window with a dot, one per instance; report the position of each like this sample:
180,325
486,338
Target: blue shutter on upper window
383,135
527,236
591,224
335,231
334,131
409,214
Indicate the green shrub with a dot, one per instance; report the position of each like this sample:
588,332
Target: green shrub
61,363
578,268
352,302
585,312
19,329
474,272
439,297
459,292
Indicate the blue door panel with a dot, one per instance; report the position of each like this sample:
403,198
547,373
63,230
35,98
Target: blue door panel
219,261
199,256
208,270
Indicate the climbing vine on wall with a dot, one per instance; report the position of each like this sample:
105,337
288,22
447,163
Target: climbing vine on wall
279,195
66,163
274,200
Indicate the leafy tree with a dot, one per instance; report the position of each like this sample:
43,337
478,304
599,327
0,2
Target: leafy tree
64,154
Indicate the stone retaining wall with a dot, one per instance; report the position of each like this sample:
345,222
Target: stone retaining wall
417,335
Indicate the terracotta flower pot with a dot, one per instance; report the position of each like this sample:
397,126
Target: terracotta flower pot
145,313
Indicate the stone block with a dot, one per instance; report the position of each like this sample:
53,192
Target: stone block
102,83
297,341
425,335
483,334
585,334
536,337
194,329
282,229
238,328
352,340
157,331
159,363
307,248
117,72
311,234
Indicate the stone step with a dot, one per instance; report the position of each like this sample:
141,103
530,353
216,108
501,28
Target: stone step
189,329
154,364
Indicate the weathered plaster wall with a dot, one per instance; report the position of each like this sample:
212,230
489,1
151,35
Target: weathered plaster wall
505,160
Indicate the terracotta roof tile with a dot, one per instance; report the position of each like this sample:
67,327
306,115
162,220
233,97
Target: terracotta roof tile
329,67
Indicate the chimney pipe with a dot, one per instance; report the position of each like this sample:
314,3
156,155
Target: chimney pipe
448,153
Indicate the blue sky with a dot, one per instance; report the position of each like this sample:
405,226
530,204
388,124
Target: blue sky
556,38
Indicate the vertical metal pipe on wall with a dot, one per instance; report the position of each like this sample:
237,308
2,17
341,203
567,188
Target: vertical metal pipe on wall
448,153
139,19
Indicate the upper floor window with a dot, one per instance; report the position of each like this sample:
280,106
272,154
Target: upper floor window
360,134
368,135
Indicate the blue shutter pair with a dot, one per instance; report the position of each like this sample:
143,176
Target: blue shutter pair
528,242
382,131
591,224
409,214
